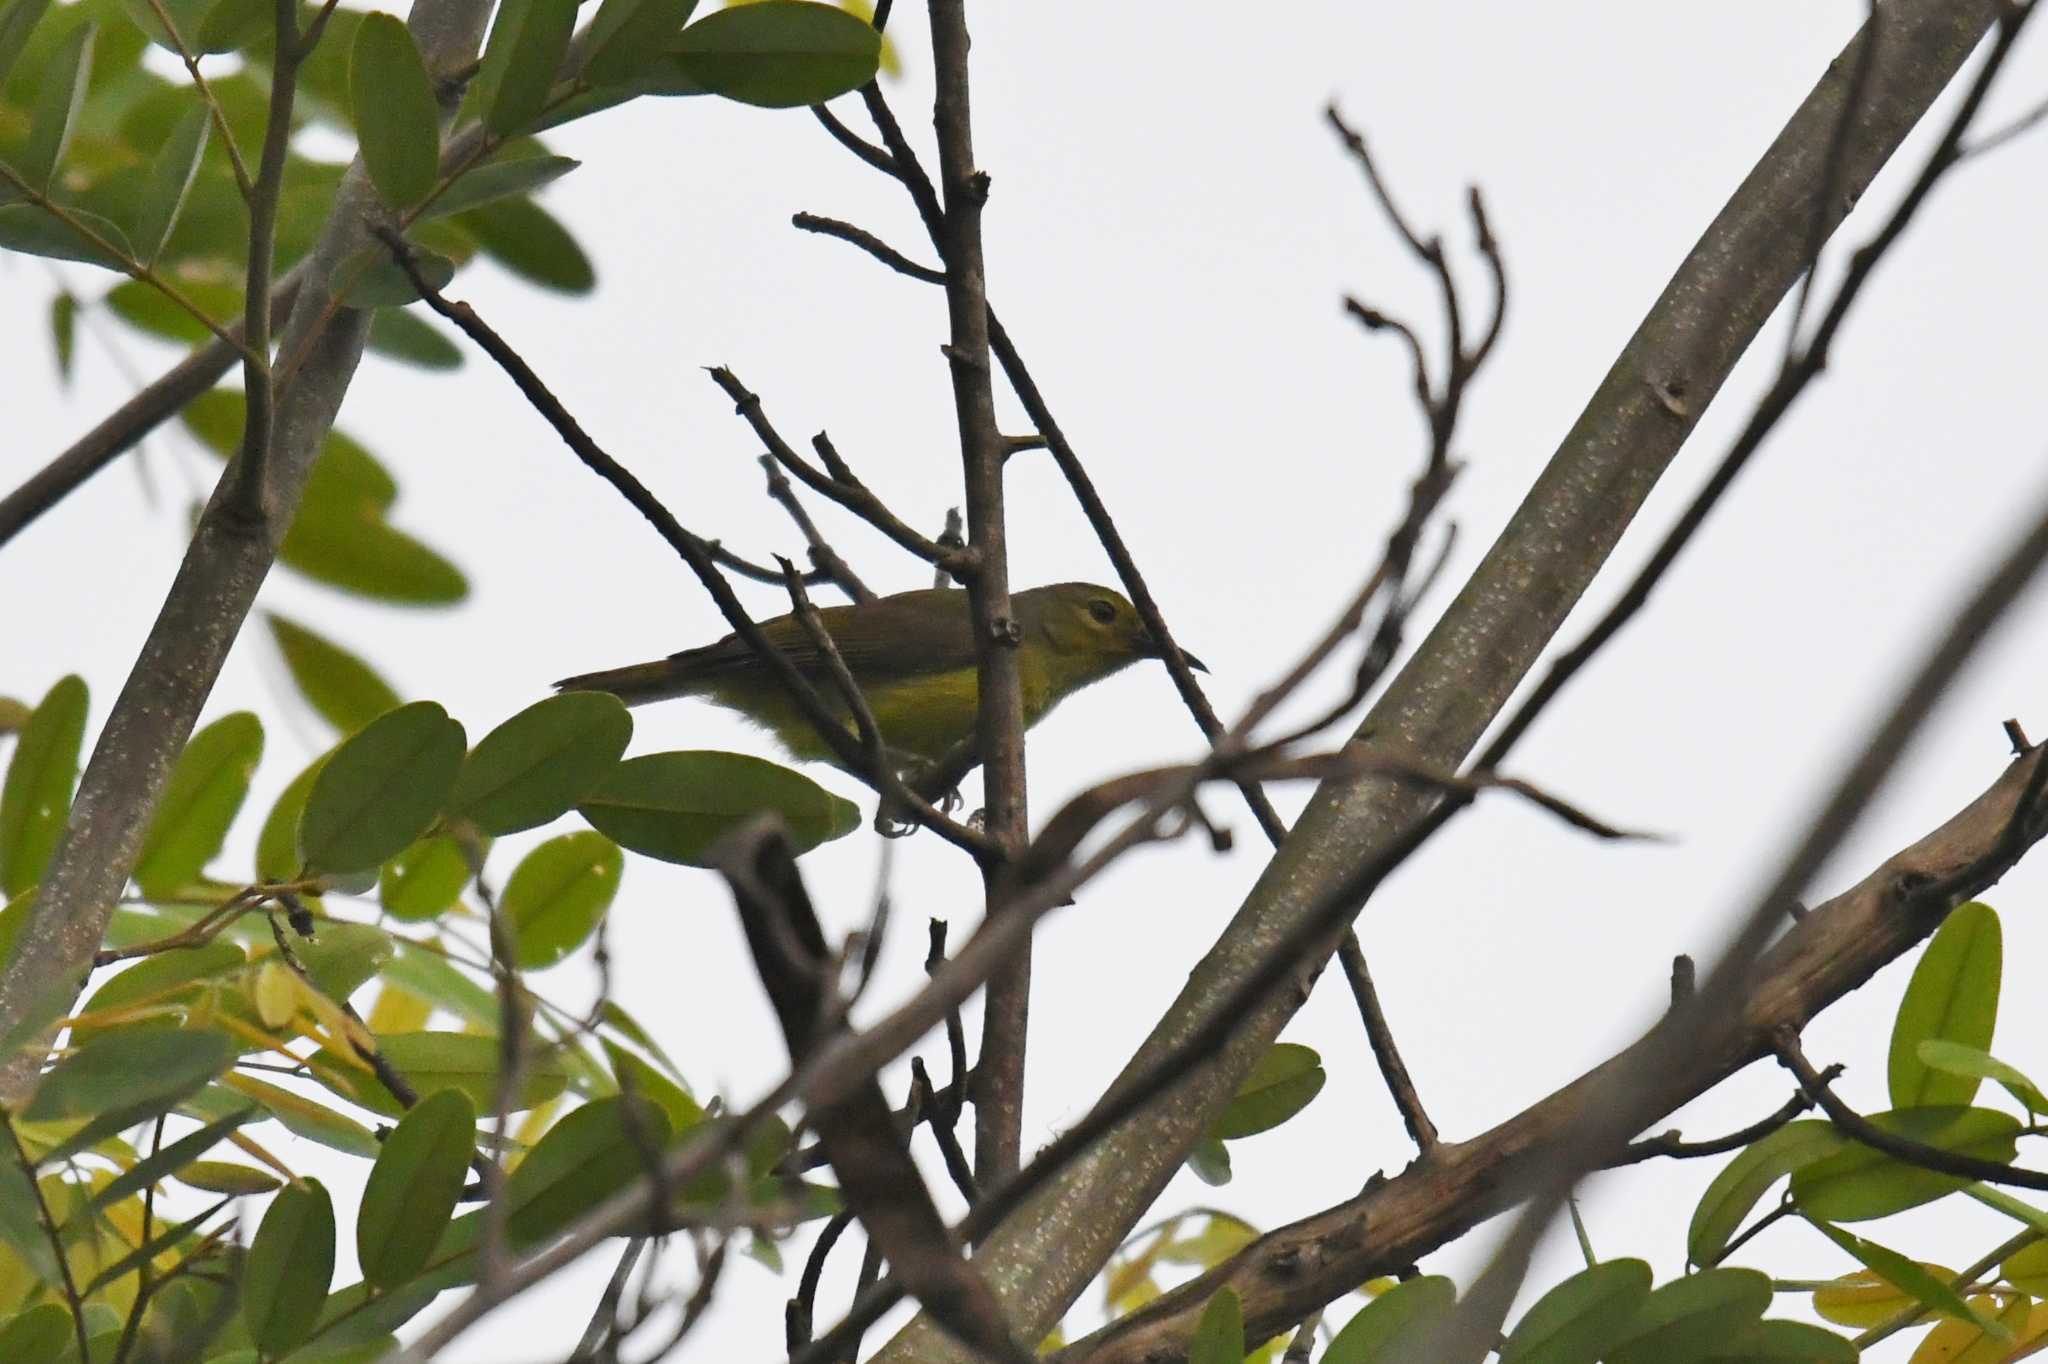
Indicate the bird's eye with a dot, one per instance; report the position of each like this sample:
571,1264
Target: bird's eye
1103,611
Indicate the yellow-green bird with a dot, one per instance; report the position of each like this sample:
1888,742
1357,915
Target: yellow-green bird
912,655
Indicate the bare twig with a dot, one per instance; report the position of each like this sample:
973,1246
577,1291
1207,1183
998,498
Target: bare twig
1392,1069
1676,1147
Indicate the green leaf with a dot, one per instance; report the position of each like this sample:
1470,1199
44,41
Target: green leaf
530,242
33,231
628,1027
1957,1058
168,976
674,806
277,845
1286,1078
1394,1325
205,792
346,546
1745,1179
780,53
39,1335
438,981
495,180
64,330
232,24
397,122
1859,1183
341,957
345,691
521,57
1210,1160
20,1229
17,19
170,179
584,1159
35,799
635,1076
628,36
538,764
557,894
303,1117
226,1177
425,879
1953,997
168,1160
2027,1269
1992,1196
380,789
143,1071
289,1267
371,279
446,1060
1908,1276
395,332
413,1188
1219,1335
1687,1319
1580,1318
1785,1342
145,308
59,96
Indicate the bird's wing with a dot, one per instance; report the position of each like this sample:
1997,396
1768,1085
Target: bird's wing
880,639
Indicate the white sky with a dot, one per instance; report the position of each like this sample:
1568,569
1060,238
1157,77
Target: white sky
1169,235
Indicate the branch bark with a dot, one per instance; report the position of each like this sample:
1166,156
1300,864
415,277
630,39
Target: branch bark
1437,708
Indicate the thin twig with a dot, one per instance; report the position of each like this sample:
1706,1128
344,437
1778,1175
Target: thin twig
1392,1069
1673,1145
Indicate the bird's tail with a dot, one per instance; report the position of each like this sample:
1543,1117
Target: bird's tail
637,684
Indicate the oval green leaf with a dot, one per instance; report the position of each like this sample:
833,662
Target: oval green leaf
137,1070
227,1177
341,957
780,53
380,789
1907,1274
628,36
535,767
674,806
205,792
1209,1159
344,548
78,236
532,243
557,894
170,179
35,799
444,1060
231,24
425,879
1581,1317
585,1158
413,1187
1748,1176
1392,1326
1858,1183
521,58
345,691
39,1335
277,844
1219,1335
1286,1078
303,1117
168,976
1953,997
18,19
1691,1317
371,279
398,125
59,96
1786,1342
495,180
396,333
1957,1058
289,1267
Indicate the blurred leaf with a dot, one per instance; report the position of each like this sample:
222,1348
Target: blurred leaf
1859,1183
413,340
227,1177
170,178
557,894
1957,1058
344,548
425,879
186,14
169,1160
232,24
635,1076
1865,1298
1953,997
1219,1335
1286,1078
35,799
17,19
1580,1318
289,1267
397,122
1785,1342
780,53
1929,1291
21,1231
437,980
64,330
413,1187
629,1028
521,58
2027,1269
1221,1237
371,279
584,1159
627,36
1956,1342
38,1335
1749,1175
398,1010
167,976
59,94
495,180
528,240
1687,1319
143,1071
342,957
145,308
535,766
344,690
205,792
304,1117
447,1060
1210,1160
674,806
1395,1324
381,789
34,232
277,845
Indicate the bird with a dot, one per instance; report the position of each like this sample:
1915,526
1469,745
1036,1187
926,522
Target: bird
912,656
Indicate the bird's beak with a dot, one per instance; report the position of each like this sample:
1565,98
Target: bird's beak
1195,663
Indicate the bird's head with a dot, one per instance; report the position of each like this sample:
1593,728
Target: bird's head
1091,630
